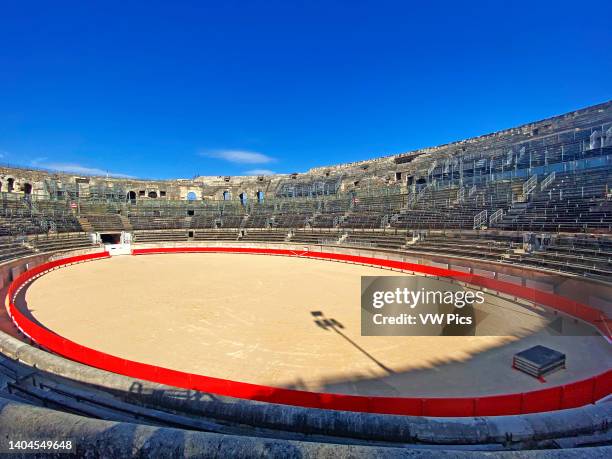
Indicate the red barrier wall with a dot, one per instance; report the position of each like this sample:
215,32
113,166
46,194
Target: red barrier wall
570,395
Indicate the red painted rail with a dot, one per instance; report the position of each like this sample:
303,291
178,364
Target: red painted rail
570,395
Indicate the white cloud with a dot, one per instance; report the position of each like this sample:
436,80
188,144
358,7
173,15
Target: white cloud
75,168
239,156
259,172
36,162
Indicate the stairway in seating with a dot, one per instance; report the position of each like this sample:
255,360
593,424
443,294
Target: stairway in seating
85,224
126,223
512,214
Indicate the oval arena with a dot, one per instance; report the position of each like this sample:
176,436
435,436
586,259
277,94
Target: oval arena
210,312
290,323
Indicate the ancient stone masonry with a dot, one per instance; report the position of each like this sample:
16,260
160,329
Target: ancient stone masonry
571,137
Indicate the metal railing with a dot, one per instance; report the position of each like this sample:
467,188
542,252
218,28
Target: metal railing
496,216
547,181
480,219
460,195
530,185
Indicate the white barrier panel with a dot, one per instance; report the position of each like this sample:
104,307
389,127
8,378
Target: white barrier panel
118,249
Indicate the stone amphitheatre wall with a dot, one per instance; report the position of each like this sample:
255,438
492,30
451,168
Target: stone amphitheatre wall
593,123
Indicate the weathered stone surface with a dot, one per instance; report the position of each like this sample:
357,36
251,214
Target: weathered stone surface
97,439
378,427
591,124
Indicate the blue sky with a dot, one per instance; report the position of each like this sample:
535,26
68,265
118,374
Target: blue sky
175,89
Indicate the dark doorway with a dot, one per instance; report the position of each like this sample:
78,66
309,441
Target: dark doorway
111,238
190,212
10,185
27,188
153,194
131,196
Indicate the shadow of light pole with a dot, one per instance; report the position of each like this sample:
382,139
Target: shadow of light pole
332,324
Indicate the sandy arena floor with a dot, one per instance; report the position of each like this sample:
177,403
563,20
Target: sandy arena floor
248,318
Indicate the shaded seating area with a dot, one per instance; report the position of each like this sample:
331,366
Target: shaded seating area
315,237
204,220
368,220
377,239
584,256
52,243
159,236
139,222
265,236
10,249
105,222
215,235
465,246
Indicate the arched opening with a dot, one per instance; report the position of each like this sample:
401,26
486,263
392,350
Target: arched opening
260,196
243,198
227,195
131,196
10,184
153,194
191,196
27,188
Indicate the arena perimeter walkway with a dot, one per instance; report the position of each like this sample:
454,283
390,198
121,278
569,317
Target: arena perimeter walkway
250,318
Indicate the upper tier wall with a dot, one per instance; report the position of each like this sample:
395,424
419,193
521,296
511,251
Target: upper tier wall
586,128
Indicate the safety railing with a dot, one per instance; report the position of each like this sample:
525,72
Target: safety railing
529,185
480,219
547,181
496,216
460,195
